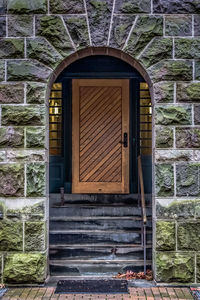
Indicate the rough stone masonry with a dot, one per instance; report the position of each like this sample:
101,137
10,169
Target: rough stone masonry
163,36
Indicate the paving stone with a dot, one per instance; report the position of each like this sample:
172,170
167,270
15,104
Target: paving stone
20,25
178,26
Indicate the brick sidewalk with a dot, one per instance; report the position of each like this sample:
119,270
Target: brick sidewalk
135,294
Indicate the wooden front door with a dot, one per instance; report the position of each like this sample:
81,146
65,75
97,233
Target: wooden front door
100,136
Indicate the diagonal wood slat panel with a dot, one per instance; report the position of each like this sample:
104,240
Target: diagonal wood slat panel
100,123
100,118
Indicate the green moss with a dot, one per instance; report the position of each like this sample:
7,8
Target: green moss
10,236
165,235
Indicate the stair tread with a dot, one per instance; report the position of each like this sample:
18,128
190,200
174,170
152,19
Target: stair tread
135,230
96,261
96,218
55,246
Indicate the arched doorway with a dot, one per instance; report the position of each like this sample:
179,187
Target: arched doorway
100,122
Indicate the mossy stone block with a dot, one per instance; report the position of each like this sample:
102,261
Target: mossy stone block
160,48
3,6
67,6
173,155
31,212
188,137
35,137
164,92
11,48
187,180
2,70
34,236
11,236
197,70
164,137
11,137
2,26
173,115
180,209
20,25
23,115
120,29
188,92
197,25
26,6
174,267
2,210
35,93
25,267
171,70
41,50
187,48
197,114
11,93
164,180
78,29
178,26
35,175
176,7
132,6
188,234
99,14
198,268
12,180
146,28
165,235
52,28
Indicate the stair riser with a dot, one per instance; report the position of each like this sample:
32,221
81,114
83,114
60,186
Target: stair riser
100,199
98,225
94,269
97,238
98,254
97,211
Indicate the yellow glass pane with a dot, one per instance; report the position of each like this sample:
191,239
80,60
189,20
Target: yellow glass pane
144,94
56,94
57,86
144,86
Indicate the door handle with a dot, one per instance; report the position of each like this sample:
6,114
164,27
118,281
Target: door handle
125,141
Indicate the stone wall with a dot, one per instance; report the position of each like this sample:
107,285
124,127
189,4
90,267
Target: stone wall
38,39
